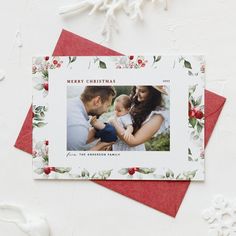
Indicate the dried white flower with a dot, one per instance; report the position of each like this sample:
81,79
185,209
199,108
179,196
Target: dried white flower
133,8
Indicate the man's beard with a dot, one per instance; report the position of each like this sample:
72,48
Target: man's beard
94,113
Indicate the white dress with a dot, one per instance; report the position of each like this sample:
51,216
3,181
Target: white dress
120,145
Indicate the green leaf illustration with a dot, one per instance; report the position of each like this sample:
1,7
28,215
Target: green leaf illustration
39,86
63,170
187,64
38,171
123,171
170,173
72,59
189,152
192,121
157,58
102,65
45,73
199,127
40,124
193,88
190,158
190,73
190,174
199,100
146,170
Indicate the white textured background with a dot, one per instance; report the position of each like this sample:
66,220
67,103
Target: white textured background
83,208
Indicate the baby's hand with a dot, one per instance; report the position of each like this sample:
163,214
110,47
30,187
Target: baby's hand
93,120
96,123
111,120
127,135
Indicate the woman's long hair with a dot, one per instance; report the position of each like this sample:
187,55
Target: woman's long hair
141,110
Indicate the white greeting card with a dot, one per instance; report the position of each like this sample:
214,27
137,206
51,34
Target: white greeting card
119,117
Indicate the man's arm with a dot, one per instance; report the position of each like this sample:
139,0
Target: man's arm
101,146
77,136
91,135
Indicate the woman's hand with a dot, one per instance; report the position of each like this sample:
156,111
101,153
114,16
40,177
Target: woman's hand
127,135
102,146
144,134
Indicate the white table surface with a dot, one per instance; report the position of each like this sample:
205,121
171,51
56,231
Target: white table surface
84,208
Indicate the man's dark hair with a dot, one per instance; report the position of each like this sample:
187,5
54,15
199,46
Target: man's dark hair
104,92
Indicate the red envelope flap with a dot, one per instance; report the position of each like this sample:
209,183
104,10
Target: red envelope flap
70,44
164,196
213,107
24,139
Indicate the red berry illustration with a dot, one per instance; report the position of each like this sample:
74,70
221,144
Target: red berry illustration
46,58
199,114
191,113
46,142
131,57
131,171
140,61
47,170
45,86
58,65
55,62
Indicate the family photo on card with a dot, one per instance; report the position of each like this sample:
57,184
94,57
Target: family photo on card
118,118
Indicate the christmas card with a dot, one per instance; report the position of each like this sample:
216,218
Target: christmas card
119,117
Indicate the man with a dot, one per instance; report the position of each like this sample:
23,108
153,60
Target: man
94,101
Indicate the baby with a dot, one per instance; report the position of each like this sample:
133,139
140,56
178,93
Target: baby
122,106
107,133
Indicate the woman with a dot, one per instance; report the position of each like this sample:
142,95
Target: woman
147,114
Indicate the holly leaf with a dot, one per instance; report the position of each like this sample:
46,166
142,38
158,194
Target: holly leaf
102,65
192,122
187,64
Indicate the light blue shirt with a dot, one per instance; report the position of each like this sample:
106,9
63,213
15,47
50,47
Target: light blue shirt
77,125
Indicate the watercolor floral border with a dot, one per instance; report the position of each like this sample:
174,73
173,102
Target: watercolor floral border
40,73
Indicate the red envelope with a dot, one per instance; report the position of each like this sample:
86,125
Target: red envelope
165,196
